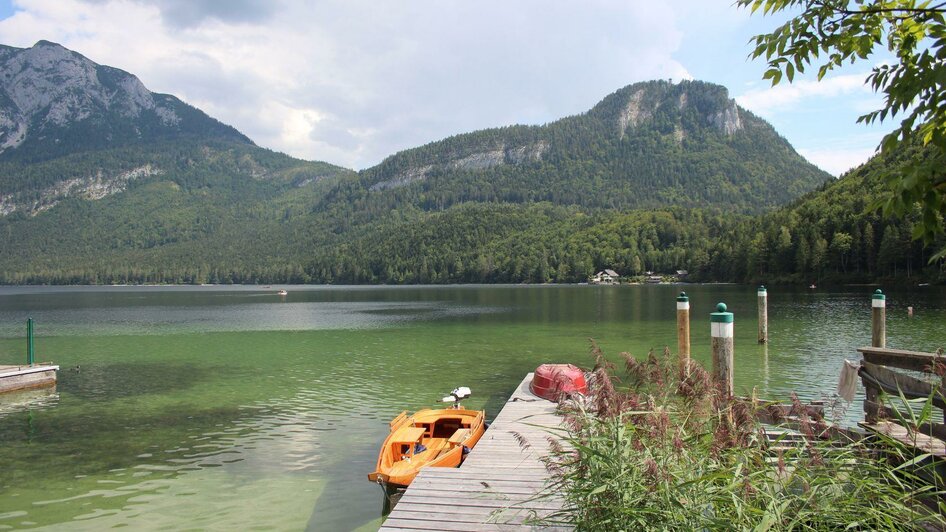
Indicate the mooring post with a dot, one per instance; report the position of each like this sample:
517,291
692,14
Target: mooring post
29,341
683,328
878,329
721,329
763,315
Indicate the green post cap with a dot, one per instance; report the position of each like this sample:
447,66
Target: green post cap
682,298
721,316
878,295
762,288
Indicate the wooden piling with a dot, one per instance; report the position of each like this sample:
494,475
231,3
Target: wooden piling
878,329
683,328
763,315
721,330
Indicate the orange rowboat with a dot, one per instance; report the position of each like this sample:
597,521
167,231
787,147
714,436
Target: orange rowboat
429,438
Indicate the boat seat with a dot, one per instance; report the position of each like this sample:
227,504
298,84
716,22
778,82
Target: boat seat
458,437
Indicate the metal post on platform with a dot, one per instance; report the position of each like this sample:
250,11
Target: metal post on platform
721,330
683,328
763,315
878,328
29,341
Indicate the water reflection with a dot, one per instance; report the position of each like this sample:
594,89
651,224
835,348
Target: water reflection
162,320
25,400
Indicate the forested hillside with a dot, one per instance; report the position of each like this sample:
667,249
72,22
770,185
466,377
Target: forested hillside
833,234
201,206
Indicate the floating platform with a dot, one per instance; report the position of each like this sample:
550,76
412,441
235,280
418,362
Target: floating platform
26,377
502,484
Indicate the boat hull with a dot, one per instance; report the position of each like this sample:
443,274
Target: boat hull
553,381
429,438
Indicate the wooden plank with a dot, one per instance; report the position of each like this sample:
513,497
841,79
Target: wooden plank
892,382
937,430
509,434
450,526
27,378
525,462
909,438
471,472
416,507
483,486
459,436
510,495
510,453
486,516
419,526
509,463
461,481
507,493
532,459
901,358
528,438
440,498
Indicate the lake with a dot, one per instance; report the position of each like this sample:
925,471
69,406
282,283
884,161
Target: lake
231,407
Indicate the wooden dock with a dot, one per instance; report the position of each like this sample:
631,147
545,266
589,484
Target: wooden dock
27,376
501,482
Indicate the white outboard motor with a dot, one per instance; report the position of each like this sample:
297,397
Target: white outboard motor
457,395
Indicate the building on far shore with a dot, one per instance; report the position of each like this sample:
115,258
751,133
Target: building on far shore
605,277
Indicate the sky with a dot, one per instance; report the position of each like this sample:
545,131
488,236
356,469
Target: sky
353,81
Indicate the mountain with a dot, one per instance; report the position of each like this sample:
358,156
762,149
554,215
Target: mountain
97,174
648,145
102,181
74,130
56,102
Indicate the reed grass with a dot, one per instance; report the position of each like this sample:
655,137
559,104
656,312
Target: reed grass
659,448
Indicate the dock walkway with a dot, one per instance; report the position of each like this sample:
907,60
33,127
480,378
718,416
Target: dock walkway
496,488
26,376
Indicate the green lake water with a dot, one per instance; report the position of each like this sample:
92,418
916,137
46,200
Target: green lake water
235,408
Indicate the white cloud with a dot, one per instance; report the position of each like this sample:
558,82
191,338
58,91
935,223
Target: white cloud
352,81
787,96
836,160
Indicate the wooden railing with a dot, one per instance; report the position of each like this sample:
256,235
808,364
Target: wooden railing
877,377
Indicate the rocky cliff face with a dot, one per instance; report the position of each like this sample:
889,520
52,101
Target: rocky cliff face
643,102
478,160
50,95
92,187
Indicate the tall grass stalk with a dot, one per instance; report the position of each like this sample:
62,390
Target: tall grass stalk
662,449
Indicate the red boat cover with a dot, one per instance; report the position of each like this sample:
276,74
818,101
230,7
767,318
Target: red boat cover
552,381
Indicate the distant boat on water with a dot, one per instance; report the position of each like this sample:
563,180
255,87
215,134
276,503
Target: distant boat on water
282,292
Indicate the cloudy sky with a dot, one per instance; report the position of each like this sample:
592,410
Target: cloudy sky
353,81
